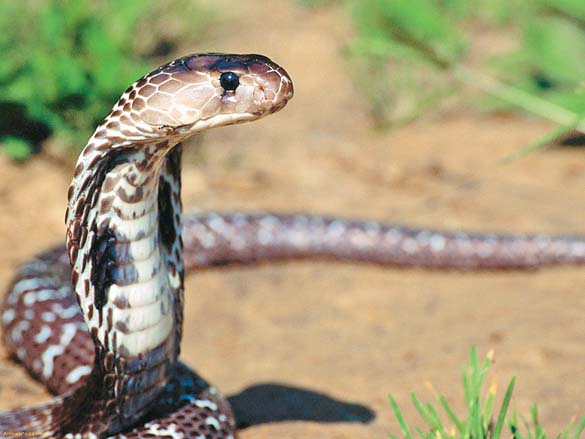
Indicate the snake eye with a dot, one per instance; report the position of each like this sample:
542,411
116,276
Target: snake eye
229,81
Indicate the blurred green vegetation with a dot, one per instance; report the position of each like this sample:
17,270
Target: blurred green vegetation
410,55
314,2
66,62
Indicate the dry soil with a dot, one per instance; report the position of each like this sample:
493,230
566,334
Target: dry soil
334,339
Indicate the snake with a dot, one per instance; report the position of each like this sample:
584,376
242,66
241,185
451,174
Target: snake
98,320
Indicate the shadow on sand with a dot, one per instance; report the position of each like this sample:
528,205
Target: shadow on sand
272,402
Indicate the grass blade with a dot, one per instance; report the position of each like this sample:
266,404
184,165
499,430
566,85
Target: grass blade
579,428
527,427
542,141
451,414
421,409
513,426
505,404
489,405
403,425
438,424
538,430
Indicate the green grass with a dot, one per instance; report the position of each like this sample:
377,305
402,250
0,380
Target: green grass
482,419
64,63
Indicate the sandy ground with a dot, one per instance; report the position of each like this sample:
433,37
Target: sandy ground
334,340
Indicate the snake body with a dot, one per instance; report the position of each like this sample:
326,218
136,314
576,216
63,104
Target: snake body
99,320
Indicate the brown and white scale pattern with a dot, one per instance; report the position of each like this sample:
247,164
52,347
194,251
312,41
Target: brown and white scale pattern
125,250
124,244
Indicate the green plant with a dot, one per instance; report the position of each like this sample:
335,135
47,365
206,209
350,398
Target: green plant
400,52
480,422
310,2
18,149
413,53
66,62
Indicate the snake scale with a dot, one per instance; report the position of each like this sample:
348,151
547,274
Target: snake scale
98,321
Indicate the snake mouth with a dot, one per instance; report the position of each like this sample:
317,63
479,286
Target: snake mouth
219,120
277,96
286,89
280,105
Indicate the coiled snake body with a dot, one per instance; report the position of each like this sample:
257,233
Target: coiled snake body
99,322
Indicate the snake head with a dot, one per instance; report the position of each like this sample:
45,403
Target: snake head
208,90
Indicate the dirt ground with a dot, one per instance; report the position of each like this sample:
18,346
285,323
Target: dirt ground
333,340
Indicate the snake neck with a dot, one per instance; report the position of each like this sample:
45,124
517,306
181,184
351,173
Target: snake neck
123,240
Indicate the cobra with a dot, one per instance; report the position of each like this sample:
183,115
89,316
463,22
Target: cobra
99,321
